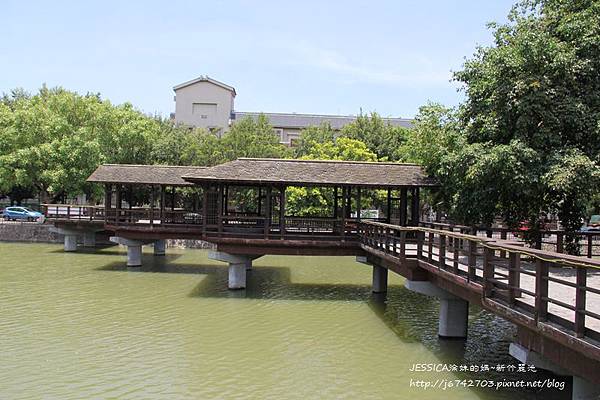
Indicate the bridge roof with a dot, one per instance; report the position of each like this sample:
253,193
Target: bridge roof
313,173
143,174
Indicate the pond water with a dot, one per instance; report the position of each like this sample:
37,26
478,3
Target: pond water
80,325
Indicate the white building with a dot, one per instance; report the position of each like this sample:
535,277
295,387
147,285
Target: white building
207,103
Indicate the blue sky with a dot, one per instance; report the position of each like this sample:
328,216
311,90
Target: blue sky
304,56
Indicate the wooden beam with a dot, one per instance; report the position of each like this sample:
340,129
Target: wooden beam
162,203
151,205
205,190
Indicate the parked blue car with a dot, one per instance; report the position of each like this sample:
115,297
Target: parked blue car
25,213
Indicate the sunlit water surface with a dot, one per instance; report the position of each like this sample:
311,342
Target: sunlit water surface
80,325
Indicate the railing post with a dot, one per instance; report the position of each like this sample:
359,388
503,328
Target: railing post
488,272
580,294
503,234
430,248
442,252
589,245
472,260
514,276
541,290
387,239
455,255
420,238
403,246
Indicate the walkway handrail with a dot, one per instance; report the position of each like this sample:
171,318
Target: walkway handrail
542,285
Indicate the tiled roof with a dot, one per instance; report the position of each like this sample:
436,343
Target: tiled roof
143,174
313,173
284,120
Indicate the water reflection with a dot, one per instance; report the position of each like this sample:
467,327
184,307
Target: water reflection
412,317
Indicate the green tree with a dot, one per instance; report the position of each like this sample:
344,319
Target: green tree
380,137
253,138
313,135
527,139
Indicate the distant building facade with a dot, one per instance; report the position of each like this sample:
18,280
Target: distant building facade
207,103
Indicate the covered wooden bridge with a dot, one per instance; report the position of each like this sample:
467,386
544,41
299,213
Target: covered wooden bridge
261,206
252,207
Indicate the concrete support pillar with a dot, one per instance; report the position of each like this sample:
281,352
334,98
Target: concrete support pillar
237,276
454,311
454,318
89,239
160,247
70,242
380,279
134,250
238,264
134,255
582,388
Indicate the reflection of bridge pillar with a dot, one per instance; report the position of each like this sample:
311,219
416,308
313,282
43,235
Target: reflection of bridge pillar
454,311
89,239
238,264
380,275
134,250
582,389
160,247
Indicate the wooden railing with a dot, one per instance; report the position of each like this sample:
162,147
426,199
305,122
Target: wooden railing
549,240
545,286
73,212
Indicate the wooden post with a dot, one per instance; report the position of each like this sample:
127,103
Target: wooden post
205,189
589,245
430,248
559,242
414,212
580,295
335,202
268,212
455,255
107,200
403,247
403,206
358,204
442,252
343,216
173,199
118,202
514,277
472,261
282,200
420,239
151,205
488,272
259,202
220,208
541,290
162,205
226,201
388,212
349,202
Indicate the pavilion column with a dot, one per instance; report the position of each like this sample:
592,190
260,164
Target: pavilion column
388,215
403,206
348,202
107,201
343,212
162,203
282,201
151,205
268,210
204,207
118,200
414,209
259,202
220,207
335,202
358,204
